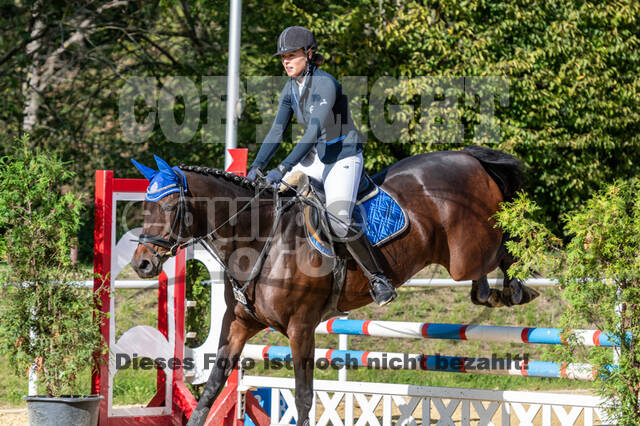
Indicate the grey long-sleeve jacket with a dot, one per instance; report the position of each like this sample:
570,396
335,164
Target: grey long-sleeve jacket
324,110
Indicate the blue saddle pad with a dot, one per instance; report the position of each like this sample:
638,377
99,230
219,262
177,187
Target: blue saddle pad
384,218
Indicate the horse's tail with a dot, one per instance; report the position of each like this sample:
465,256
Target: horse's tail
506,170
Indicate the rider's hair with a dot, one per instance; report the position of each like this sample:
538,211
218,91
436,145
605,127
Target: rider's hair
317,58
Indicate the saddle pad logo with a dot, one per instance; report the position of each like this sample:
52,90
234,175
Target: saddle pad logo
384,218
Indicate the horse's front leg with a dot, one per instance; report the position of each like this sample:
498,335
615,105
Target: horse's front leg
480,291
302,340
234,334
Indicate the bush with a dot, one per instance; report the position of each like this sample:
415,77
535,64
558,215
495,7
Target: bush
47,320
599,270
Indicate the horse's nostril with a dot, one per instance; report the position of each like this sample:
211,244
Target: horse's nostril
145,266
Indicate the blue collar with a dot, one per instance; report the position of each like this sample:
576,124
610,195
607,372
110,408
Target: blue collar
294,84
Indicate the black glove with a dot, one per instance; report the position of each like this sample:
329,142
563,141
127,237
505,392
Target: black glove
275,175
253,173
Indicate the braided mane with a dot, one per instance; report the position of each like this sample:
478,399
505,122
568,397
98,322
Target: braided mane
227,176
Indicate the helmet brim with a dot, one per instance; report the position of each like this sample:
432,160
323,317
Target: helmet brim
283,52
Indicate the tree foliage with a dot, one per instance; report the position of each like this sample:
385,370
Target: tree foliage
570,68
599,270
43,314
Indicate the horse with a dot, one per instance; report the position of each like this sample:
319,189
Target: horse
450,198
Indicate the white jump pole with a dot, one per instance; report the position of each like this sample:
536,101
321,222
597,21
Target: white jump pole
233,79
33,373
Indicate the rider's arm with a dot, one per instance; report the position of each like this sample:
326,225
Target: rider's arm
280,123
322,102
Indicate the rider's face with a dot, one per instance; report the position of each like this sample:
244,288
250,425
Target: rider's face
294,62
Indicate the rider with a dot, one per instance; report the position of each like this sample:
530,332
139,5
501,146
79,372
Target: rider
330,150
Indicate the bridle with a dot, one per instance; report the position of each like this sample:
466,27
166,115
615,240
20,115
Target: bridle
172,247
178,221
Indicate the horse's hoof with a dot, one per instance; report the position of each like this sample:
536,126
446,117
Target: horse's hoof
480,291
516,291
506,296
473,294
495,299
477,302
518,294
483,297
528,294
483,290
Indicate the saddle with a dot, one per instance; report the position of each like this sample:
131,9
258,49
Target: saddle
376,211
318,230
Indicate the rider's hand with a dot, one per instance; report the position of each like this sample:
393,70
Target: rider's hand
253,173
275,175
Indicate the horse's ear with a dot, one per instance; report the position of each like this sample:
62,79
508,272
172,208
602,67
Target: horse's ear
147,172
163,166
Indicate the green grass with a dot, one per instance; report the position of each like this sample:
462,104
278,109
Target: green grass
442,305
12,386
134,386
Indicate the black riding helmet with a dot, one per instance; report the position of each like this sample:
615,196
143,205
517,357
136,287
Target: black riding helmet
294,38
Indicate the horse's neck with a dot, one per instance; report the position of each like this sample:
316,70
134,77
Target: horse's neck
217,207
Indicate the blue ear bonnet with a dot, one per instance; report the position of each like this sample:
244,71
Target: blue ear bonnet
162,182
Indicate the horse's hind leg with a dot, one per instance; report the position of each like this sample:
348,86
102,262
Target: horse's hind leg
302,340
514,292
482,294
234,334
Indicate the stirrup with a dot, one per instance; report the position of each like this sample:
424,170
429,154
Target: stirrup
381,290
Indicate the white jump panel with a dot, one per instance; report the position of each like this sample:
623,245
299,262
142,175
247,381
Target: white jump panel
361,403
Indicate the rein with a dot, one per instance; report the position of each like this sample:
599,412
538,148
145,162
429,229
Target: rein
239,290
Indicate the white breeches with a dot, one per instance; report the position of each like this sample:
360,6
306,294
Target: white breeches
340,180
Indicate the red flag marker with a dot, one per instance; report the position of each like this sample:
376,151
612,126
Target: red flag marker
239,163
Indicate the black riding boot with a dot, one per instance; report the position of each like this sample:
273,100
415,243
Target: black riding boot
366,255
